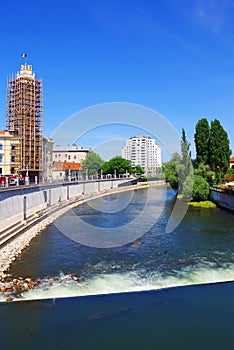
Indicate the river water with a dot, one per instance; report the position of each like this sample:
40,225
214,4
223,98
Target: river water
199,251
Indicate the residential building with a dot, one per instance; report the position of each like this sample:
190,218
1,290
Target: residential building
69,154
24,116
143,150
9,153
67,171
232,163
47,159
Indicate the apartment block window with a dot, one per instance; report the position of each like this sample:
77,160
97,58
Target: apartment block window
12,159
0,171
0,146
12,146
0,159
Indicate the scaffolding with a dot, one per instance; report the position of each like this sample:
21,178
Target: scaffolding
24,115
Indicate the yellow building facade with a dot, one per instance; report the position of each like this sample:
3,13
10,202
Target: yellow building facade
9,153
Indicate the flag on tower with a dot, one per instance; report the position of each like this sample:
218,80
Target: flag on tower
23,55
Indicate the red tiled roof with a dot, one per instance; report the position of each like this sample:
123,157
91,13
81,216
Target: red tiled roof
62,166
232,160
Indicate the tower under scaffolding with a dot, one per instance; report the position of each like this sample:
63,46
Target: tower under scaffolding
24,115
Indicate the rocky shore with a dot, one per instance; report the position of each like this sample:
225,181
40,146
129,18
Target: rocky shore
11,251
12,289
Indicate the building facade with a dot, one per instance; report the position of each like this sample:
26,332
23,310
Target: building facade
232,163
67,171
24,116
142,150
9,153
69,154
47,162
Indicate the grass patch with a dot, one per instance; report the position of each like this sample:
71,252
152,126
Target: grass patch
180,196
202,204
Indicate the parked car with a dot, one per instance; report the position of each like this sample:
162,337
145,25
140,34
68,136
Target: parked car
10,179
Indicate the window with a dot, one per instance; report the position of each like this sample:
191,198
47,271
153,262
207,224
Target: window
0,146
0,158
12,159
12,146
0,171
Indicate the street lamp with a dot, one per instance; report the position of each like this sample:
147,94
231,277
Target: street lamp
69,174
26,177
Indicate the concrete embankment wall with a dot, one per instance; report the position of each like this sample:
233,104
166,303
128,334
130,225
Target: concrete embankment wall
224,199
41,198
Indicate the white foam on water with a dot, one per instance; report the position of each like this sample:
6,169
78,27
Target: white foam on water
136,281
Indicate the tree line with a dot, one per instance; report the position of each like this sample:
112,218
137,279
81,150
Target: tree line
95,166
192,178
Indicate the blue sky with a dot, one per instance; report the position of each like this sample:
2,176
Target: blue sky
175,57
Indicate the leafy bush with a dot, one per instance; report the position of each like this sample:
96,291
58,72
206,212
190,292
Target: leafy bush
200,189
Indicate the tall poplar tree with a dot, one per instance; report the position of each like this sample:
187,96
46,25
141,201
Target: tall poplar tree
202,140
219,147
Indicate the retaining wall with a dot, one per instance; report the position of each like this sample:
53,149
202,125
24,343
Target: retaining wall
41,198
223,198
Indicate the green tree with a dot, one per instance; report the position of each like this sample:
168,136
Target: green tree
202,140
92,163
171,172
219,148
188,187
137,170
185,169
118,165
205,171
201,188
185,151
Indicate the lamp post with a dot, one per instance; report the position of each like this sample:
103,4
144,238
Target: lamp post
69,174
27,177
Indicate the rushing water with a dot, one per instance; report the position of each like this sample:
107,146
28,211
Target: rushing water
200,250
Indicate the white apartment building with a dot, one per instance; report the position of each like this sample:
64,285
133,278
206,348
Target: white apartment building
142,150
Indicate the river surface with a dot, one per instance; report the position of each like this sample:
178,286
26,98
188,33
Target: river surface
199,251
